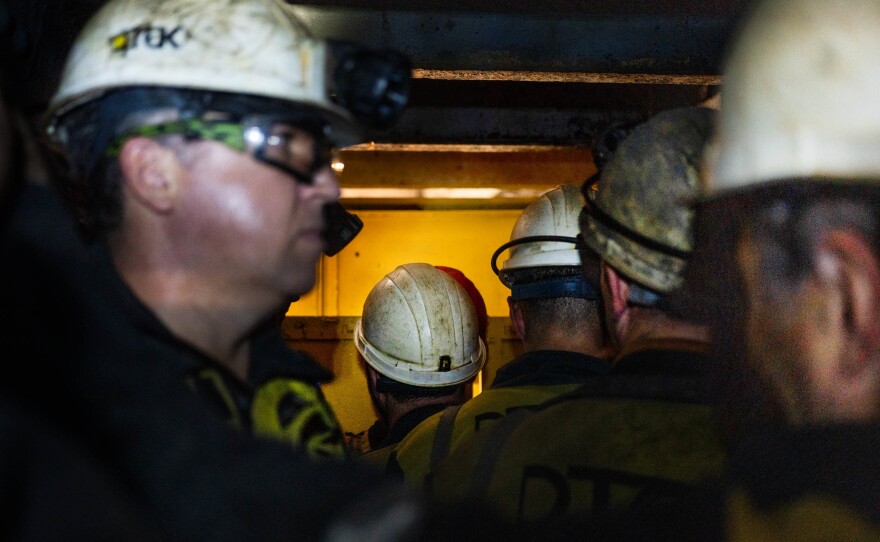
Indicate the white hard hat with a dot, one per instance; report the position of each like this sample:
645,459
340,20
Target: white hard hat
249,47
419,327
545,259
799,96
555,213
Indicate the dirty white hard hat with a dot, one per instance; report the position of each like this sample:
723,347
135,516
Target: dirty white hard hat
249,47
419,327
799,98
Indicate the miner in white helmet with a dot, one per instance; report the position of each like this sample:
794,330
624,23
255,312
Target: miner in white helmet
419,338
787,268
100,439
199,138
554,309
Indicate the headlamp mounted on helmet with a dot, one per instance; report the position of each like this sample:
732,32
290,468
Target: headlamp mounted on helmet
372,84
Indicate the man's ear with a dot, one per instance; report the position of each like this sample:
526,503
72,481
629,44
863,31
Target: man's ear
516,316
372,375
845,258
151,173
616,290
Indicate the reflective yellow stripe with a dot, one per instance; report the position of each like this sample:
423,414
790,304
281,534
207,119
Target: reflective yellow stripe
295,412
216,380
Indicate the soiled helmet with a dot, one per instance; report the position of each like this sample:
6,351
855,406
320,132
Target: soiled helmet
799,97
419,327
475,295
638,218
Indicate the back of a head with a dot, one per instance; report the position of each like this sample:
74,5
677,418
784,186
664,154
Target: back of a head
795,126
638,219
799,84
795,155
554,291
419,328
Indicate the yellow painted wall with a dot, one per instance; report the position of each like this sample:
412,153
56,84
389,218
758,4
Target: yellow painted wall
454,238
322,321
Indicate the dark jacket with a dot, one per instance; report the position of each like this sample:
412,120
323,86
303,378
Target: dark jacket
281,397
637,434
791,484
91,391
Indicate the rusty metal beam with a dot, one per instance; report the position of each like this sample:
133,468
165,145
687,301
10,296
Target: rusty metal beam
566,77
430,166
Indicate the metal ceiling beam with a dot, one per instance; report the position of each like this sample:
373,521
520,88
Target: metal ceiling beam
591,8
512,167
500,112
536,40
530,72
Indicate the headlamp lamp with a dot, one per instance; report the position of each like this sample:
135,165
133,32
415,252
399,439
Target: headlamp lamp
373,85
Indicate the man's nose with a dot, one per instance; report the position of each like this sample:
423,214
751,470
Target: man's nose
326,184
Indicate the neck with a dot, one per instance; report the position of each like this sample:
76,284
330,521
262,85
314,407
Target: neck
645,325
582,343
395,410
195,306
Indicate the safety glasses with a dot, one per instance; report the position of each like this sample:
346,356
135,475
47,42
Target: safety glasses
297,148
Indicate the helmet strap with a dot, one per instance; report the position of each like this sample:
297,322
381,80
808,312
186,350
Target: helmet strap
571,286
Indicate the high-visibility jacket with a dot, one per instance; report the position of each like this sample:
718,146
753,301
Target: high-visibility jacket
643,432
525,382
804,484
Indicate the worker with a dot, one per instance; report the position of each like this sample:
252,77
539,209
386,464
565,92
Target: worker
377,435
419,339
199,138
556,313
787,273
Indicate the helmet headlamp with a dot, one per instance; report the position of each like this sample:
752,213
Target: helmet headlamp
373,85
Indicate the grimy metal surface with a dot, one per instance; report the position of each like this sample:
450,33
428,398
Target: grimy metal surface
487,71
460,40
523,74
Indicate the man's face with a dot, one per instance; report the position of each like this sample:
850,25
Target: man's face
781,333
253,222
775,335
724,292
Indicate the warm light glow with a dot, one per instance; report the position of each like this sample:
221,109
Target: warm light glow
384,193
460,193
443,193
455,147
337,166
